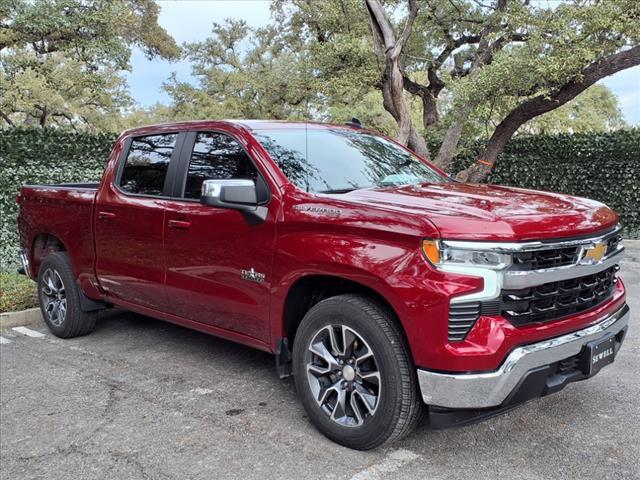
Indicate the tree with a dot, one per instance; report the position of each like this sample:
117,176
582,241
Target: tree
243,73
151,115
61,60
459,58
56,90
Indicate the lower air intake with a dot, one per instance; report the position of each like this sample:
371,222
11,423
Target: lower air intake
462,317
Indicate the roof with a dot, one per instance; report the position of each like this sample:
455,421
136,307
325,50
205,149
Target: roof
246,123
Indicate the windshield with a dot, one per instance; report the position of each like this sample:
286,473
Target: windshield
338,160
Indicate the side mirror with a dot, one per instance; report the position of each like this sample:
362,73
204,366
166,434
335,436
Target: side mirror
233,194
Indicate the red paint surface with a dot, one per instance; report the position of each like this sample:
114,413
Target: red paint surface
191,275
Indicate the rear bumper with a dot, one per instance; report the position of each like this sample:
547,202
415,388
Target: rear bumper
500,387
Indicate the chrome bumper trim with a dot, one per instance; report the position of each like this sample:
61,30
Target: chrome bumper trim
484,390
24,258
523,279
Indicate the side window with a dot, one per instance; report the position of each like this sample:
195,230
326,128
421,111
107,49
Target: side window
216,156
147,162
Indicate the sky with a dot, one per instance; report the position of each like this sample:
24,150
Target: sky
191,20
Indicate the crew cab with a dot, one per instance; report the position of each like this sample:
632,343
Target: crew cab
385,287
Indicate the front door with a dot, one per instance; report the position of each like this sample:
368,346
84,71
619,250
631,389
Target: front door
218,260
129,222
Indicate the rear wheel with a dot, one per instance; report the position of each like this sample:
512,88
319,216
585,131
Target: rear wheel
59,297
354,373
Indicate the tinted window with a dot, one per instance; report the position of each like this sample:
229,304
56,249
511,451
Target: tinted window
147,163
337,160
216,156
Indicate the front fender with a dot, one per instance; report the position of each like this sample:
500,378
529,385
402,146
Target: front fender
391,265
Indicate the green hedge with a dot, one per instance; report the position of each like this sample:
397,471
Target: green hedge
603,166
43,156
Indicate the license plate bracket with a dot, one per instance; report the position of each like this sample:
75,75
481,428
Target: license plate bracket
597,354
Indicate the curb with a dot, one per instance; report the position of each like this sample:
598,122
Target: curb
23,317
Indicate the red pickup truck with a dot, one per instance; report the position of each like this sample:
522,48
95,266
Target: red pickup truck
384,286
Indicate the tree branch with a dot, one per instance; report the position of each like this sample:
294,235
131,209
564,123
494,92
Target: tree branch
408,26
382,24
542,104
6,118
428,94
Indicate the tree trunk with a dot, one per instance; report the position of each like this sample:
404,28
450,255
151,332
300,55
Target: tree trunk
397,98
430,115
385,41
449,143
43,117
416,141
452,136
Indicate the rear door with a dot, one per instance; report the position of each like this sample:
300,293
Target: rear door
218,260
129,221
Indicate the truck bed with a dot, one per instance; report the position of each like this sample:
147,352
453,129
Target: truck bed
59,212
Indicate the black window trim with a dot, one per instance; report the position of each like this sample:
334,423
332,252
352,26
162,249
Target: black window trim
169,180
182,169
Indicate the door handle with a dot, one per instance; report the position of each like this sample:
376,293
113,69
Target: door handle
179,224
106,215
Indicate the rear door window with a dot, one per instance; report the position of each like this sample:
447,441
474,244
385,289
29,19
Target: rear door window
145,169
217,156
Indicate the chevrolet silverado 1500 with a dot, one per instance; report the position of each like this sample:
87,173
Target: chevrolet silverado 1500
382,285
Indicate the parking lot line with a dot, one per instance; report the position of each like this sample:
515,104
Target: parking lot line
391,463
28,332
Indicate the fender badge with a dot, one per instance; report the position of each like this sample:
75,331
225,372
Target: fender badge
321,210
252,276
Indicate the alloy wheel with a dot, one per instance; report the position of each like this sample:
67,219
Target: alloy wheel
343,375
53,297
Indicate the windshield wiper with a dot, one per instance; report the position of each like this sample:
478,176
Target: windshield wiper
338,190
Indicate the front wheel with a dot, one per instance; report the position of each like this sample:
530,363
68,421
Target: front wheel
354,373
59,297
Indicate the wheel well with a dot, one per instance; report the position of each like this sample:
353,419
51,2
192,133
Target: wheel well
308,291
43,245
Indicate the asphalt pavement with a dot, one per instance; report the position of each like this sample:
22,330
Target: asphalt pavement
143,399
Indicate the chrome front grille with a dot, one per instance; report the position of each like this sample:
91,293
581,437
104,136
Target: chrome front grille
462,317
613,242
539,259
559,255
546,281
552,301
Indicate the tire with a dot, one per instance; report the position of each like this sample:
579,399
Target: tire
387,406
59,297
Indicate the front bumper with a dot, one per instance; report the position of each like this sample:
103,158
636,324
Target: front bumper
499,387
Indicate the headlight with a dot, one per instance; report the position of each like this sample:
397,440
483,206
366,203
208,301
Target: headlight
440,254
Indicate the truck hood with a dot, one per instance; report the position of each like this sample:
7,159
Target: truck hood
489,212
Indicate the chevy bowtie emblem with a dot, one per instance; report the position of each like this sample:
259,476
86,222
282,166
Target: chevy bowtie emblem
594,254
